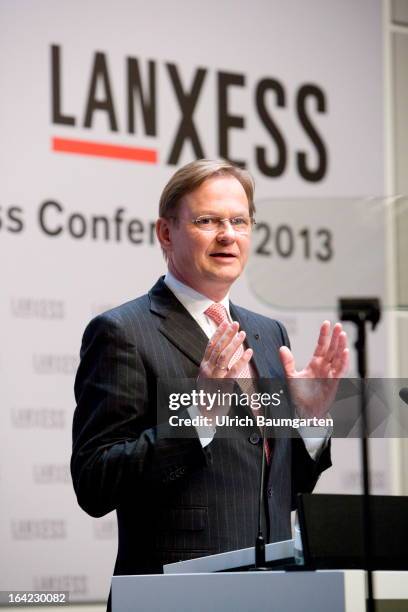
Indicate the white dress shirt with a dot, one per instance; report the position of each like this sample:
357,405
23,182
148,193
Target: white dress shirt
196,304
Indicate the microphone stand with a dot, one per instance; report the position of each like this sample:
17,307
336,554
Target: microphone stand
361,311
260,560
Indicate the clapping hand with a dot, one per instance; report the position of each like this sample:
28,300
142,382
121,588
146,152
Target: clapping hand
314,388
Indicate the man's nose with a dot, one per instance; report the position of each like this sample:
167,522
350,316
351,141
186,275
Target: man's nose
226,232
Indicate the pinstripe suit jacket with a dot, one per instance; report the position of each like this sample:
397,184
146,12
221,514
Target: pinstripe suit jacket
174,500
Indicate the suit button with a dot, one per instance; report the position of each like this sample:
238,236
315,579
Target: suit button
269,492
254,438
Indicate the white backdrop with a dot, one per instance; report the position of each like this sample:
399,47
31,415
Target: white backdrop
294,90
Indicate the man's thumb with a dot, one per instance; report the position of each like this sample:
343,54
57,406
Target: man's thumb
287,360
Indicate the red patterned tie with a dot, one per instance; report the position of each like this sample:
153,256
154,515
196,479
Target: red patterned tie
218,314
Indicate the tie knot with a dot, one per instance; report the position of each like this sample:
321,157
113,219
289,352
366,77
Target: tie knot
217,312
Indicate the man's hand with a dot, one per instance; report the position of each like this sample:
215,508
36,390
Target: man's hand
328,364
219,351
215,364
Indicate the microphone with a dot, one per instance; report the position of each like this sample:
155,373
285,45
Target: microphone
260,553
260,561
404,394
260,557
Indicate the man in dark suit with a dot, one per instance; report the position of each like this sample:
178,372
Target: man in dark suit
181,497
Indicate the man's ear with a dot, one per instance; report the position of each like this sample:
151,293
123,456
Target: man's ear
163,233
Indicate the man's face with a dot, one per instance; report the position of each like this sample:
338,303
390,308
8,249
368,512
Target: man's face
209,262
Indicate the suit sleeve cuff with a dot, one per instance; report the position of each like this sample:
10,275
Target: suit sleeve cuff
315,439
205,433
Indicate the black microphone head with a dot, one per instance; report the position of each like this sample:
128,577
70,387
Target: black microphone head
404,394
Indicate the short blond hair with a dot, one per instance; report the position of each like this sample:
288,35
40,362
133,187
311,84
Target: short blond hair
192,175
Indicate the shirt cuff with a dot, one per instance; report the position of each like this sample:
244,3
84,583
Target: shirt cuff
205,432
315,439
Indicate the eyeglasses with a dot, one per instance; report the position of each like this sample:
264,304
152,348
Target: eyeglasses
211,223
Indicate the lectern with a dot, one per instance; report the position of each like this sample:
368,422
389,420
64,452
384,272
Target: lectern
236,591
216,583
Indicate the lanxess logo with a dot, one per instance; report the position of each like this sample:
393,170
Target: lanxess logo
271,158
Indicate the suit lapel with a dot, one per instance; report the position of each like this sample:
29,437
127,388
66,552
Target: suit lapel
177,325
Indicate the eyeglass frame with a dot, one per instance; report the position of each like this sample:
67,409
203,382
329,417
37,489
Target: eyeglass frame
220,220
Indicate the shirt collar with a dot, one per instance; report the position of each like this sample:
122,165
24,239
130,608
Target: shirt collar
195,303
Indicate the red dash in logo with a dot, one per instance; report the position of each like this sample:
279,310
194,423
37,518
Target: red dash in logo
100,149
